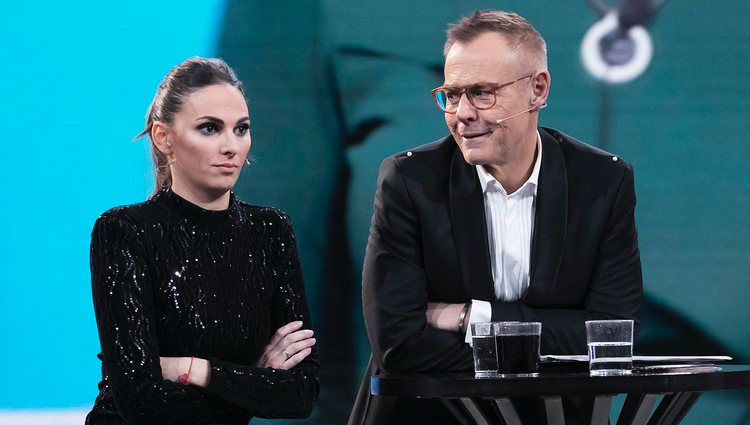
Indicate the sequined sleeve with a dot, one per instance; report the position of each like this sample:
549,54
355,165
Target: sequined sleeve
266,392
123,303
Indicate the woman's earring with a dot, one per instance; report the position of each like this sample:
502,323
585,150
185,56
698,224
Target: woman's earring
247,162
170,159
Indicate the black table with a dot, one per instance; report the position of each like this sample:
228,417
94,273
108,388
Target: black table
675,392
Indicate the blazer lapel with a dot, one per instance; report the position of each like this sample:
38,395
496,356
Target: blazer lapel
550,223
470,228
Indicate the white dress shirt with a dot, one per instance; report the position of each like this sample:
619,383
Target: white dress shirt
510,225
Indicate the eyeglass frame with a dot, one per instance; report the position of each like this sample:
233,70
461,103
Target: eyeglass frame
462,91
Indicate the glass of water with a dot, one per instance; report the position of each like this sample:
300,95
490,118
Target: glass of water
485,351
610,345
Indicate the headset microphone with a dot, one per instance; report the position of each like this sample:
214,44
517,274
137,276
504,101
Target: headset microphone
502,120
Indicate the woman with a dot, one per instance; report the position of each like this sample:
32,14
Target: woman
198,296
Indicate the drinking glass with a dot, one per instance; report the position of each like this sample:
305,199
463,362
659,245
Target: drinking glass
517,347
485,353
610,344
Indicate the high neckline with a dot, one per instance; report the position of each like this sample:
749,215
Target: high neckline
186,209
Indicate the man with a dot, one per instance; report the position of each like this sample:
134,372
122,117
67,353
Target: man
501,220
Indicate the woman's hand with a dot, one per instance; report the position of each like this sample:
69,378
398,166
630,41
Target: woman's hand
186,370
288,346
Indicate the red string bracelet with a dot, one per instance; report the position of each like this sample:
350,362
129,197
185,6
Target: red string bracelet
185,377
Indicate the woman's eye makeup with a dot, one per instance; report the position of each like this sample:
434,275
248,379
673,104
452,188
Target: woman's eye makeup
209,127
242,129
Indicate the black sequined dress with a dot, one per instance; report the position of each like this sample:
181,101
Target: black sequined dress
172,279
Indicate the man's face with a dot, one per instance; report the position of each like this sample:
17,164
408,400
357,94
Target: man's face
490,59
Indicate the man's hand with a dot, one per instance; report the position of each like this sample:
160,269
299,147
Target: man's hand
445,316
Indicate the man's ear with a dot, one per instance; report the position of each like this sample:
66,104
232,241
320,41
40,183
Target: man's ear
540,83
160,137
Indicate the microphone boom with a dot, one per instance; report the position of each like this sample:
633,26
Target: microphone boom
502,120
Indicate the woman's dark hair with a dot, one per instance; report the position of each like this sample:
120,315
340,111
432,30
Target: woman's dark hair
184,79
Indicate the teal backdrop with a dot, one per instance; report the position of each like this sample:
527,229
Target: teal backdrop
333,87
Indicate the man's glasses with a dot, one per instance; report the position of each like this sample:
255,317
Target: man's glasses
481,96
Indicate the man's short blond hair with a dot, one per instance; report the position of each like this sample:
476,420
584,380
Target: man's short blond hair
518,30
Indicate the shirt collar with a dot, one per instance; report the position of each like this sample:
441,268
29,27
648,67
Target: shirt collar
486,178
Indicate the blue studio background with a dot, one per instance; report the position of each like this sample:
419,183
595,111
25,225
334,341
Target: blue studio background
77,79
334,87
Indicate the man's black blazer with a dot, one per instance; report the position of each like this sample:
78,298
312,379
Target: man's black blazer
428,242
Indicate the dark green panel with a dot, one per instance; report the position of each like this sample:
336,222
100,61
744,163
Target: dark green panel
336,86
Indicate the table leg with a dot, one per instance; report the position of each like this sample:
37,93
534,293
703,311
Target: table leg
474,411
455,408
508,411
673,408
599,409
554,408
637,409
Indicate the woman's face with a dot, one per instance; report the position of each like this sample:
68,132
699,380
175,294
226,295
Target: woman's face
209,140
